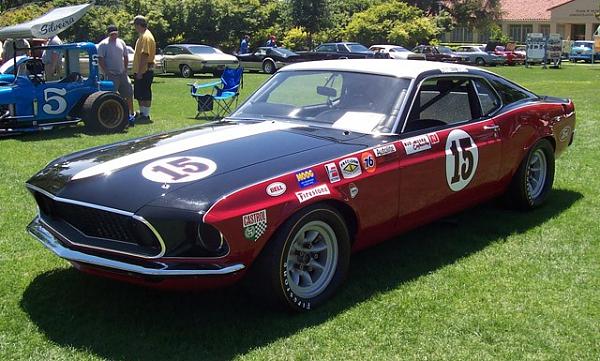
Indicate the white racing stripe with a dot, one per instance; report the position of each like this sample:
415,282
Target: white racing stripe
219,136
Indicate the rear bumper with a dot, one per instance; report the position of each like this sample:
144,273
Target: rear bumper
145,268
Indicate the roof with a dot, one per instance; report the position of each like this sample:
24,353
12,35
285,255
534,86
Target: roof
387,46
529,10
48,25
390,67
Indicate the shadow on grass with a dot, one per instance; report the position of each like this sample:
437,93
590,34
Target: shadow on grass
119,321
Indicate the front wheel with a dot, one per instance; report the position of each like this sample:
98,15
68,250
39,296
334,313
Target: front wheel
533,180
269,67
305,262
105,112
480,61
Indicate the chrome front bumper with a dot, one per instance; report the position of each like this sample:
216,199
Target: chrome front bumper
37,229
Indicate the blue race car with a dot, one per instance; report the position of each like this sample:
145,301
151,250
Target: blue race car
33,99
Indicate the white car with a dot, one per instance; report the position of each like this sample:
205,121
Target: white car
396,52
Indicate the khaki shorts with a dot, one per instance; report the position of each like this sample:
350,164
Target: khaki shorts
122,84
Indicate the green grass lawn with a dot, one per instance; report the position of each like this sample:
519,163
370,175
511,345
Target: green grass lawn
489,284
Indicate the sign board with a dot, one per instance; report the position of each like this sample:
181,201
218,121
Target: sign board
596,43
554,49
536,47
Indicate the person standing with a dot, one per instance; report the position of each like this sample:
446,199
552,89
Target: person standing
8,51
244,45
143,67
114,60
52,59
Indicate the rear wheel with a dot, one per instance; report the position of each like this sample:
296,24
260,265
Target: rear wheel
480,61
105,112
533,180
305,262
269,67
186,71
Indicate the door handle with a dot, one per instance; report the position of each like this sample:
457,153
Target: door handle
491,127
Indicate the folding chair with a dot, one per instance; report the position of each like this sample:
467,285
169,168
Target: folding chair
219,98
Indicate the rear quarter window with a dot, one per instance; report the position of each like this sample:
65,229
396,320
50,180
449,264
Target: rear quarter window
509,92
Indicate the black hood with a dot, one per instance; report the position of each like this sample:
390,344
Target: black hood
244,153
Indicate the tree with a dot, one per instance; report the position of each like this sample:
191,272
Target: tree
392,22
478,14
311,15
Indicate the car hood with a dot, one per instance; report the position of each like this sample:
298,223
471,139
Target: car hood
116,175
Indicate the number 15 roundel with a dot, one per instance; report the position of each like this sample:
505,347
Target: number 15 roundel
179,169
462,157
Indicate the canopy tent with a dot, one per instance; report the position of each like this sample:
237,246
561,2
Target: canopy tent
48,25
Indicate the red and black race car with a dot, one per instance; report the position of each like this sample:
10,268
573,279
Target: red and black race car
326,158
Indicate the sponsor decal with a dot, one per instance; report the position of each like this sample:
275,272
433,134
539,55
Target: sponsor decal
332,172
565,133
433,138
384,150
416,144
350,167
306,178
308,194
276,189
179,169
353,190
255,224
368,162
462,157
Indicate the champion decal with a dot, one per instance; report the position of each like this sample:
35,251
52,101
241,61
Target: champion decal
416,144
169,148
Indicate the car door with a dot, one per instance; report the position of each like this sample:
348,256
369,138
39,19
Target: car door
168,59
451,148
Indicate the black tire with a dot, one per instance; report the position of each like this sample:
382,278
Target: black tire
269,67
519,193
272,282
105,112
186,71
480,61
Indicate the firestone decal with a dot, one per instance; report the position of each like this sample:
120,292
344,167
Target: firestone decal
384,150
276,189
332,172
416,144
255,224
306,195
350,167
179,169
368,162
462,157
306,178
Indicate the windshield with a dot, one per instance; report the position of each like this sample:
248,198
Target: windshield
399,49
283,51
201,49
357,48
344,100
444,50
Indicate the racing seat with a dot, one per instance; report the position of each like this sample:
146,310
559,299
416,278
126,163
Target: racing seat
219,98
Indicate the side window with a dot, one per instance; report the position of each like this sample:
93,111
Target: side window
341,48
509,92
443,101
427,50
170,50
326,49
487,97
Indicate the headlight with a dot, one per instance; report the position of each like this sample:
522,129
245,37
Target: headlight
210,238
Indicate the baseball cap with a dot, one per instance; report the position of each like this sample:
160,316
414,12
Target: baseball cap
139,19
111,29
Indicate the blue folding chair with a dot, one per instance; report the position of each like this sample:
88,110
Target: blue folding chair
221,97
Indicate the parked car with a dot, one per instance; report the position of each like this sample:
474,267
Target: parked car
32,99
478,56
324,159
506,51
396,52
440,53
583,50
342,50
268,59
189,59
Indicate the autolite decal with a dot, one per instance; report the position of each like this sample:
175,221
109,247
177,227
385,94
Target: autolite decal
306,195
416,144
384,150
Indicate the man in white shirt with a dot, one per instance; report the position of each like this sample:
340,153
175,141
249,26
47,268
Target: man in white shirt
114,60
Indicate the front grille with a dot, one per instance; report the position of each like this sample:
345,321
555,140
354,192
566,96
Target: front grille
99,225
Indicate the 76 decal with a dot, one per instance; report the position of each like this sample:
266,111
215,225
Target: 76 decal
462,157
179,169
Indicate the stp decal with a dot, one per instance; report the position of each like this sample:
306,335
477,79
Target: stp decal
306,178
350,167
255,224
276,189
384,150
179,169
368,162
416,144
332,172
304,196
462,157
